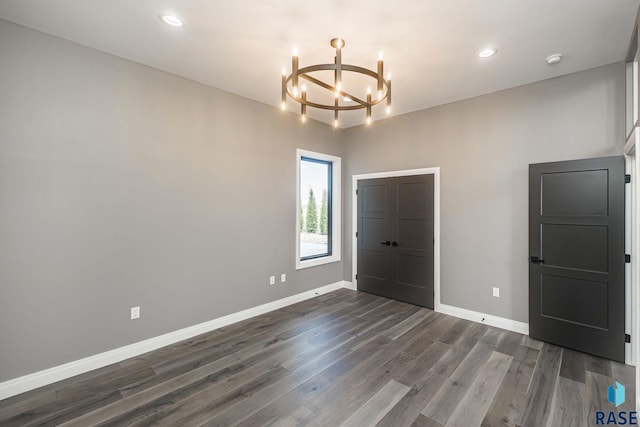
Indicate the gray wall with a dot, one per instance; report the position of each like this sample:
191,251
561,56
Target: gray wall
122,185
483,147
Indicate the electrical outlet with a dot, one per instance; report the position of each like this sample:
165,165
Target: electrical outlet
272,280
496,292
283,278
135,313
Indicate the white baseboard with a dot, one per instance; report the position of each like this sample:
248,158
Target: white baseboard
474,316
487,319
349,285
48,376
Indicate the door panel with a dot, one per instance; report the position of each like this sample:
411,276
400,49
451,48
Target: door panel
576,229
584,247
375,264
413,198
374,230
575,193
395,238
413,233
411,270
590,306
374,198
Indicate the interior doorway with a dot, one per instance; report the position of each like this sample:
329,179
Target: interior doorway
403,209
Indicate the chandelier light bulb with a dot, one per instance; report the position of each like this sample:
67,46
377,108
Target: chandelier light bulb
388,110
294,51
335,123
284,106
380,56
368,121
304,118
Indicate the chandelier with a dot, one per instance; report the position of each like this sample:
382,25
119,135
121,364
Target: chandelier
343,99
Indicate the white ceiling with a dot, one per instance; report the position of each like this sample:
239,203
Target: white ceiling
429,46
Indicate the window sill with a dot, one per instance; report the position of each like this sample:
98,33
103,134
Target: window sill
316,262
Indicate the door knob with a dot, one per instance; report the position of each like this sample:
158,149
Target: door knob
386,243
536,260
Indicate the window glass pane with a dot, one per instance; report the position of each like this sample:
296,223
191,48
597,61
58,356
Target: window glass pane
632,86
635,87
315,208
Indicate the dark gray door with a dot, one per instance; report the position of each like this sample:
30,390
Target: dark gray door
374,236
395,238
576,248
412,244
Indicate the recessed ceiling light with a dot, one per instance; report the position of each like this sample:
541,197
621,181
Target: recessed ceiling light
554,59
487,53
172,20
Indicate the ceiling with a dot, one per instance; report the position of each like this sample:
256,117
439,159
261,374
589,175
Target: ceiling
429,46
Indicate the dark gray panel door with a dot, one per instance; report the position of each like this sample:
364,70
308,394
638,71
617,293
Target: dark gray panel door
395,238
412,244
374,234
576,248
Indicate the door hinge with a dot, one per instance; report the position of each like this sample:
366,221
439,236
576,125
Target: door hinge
356,191
356,234
627,258
356,277
627,338
627,179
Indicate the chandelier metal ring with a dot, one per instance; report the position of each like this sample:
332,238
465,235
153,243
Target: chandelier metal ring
303,73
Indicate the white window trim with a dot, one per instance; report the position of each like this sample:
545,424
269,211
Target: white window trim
336,209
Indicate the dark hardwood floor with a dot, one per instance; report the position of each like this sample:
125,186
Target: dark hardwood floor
344,358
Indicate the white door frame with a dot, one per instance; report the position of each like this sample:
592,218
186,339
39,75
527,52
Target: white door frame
435,171
632,236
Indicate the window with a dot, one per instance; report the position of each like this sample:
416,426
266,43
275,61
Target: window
632,85
318,209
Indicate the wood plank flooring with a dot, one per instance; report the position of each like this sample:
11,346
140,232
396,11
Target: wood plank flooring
345,358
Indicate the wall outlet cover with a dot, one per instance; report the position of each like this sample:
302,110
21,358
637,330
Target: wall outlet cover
135,313
496,292
272,280
283,278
